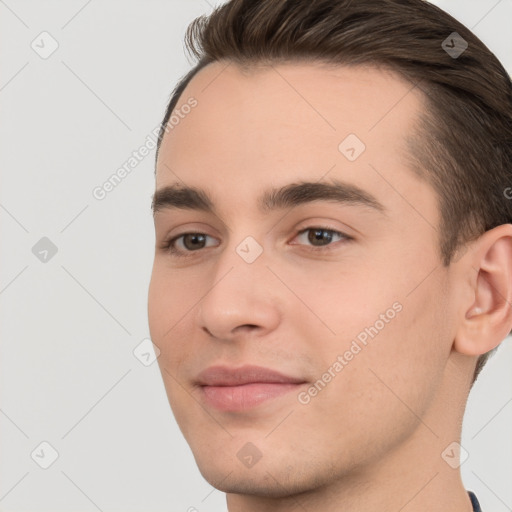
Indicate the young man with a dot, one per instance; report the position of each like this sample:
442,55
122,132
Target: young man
333,251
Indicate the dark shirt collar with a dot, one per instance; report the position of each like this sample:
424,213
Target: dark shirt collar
474,501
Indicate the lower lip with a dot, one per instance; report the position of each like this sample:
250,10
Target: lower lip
239,398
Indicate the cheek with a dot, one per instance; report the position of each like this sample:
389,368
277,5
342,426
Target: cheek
163,319
369,402
171,306
163,316
157,305
168,301
393,343
343,304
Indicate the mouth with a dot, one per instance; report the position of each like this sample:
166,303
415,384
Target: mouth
239,389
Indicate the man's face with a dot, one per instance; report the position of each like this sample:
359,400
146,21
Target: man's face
349,319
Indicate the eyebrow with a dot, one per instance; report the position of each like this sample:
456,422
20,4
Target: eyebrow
178,196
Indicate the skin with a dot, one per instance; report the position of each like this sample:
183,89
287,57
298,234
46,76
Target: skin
372,439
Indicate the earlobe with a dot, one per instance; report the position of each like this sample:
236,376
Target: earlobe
487,320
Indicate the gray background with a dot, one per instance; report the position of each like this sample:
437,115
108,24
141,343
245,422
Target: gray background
69,325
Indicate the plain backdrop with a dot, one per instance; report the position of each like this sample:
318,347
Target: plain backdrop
75,269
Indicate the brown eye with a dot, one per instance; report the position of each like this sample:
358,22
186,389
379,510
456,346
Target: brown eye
192,241
186,243
320,237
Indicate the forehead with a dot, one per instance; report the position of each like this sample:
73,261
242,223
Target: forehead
288,122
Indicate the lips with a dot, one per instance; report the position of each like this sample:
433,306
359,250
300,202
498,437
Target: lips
225,376
237,389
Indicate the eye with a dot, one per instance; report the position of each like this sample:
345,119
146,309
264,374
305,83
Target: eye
190,241
321,238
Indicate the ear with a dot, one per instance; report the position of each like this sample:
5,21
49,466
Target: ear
486,317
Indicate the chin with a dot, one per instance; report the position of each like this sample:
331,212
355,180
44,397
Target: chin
249,482
270,477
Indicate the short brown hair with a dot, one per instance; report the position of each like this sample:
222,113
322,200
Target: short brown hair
462,145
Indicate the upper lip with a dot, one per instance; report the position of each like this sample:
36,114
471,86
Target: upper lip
229,376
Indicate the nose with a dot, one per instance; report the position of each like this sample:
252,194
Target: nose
241,299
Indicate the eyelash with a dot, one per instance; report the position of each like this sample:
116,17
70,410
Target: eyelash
170,247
